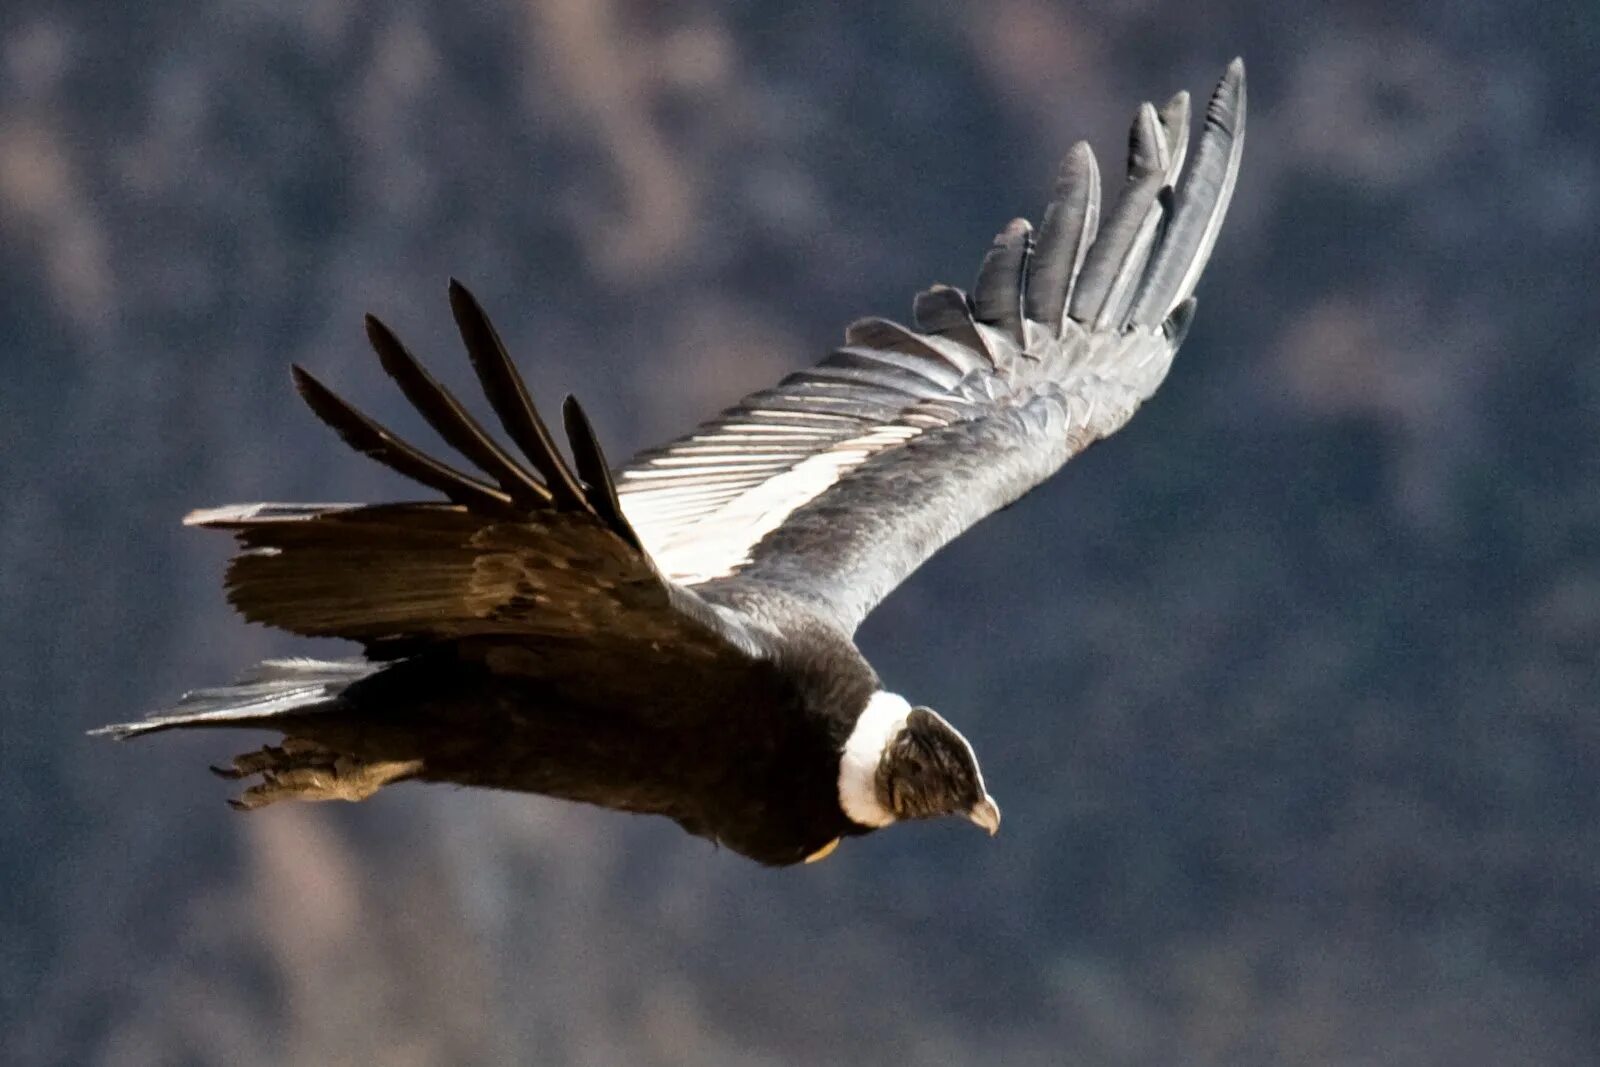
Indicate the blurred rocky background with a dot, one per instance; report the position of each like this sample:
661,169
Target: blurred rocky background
1288,691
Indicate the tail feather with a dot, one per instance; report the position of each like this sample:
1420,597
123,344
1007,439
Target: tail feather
266,692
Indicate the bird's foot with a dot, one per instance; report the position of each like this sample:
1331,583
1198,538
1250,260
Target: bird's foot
304,770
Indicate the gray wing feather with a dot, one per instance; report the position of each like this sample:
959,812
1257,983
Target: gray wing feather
1202,204
1069,228
997,296
830,488
1119,252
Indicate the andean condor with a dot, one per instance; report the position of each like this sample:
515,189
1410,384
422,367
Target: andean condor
674,637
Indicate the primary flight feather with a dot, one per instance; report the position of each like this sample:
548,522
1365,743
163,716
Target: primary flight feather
675,637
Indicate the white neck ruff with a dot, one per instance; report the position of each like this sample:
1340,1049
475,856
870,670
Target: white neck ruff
879,724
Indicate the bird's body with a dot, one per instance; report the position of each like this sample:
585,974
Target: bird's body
674,637
764,785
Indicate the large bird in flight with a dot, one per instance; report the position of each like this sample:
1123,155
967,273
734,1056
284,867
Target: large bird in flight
675,637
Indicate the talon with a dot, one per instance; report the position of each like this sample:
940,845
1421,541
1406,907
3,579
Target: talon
259,796
256,762
300,769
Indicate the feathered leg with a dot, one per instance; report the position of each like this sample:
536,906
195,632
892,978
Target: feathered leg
305,770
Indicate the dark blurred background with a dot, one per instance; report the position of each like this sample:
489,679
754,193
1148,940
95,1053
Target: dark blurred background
1288,691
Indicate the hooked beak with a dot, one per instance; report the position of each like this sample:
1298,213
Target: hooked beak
986,813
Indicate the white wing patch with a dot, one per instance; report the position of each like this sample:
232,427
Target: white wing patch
700,518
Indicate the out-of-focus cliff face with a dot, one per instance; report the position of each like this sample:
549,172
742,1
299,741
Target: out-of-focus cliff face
1289,691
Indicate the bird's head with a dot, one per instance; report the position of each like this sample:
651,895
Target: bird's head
902,762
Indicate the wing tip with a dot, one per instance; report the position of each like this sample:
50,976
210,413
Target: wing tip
1067,230
1227,105
384,341
1013,231
1176,326
595,473
996,297
308,386
1163,262
1146,145
462,299
572,408
1079,165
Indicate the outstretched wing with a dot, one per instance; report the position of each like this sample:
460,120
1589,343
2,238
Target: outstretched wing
836,484
543,552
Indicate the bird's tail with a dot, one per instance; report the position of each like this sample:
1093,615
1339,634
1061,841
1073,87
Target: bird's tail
267,692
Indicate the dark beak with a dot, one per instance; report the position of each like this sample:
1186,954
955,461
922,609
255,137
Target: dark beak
986,813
